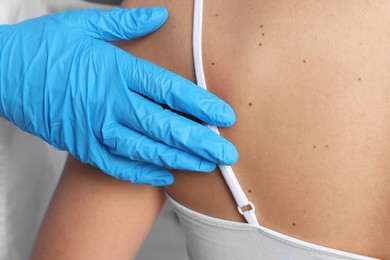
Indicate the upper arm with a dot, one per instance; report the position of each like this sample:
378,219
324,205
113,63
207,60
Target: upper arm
94,216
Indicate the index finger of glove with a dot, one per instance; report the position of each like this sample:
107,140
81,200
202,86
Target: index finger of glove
175,91
117,23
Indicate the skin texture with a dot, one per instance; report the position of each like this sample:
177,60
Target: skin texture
94,216
309,81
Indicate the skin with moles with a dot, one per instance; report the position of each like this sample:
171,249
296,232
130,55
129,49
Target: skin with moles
309,81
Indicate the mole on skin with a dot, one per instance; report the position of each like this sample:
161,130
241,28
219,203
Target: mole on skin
212,63
250,104
294,224
259,44
314,146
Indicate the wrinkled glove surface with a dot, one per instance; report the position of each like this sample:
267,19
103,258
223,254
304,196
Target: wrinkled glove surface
61,81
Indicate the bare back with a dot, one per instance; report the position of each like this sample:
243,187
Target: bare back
310,84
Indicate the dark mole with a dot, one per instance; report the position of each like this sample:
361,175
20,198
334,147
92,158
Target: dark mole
294,224
263,34
260,44
212,63
326,146
249,191
261,26
314,146
250,104
304,61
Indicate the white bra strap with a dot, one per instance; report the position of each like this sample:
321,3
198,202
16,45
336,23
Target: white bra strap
227,171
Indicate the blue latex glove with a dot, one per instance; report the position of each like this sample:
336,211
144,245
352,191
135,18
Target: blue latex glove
61,81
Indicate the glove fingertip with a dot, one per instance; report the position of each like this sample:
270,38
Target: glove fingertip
226,117
157,178
160,13
165,181
229,155
206,166
148,19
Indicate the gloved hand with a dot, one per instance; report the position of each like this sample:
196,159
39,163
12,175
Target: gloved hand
61,81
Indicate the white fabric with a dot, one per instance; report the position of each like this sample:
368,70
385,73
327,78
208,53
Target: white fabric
211,238
29,168
227,170
56,6
12,11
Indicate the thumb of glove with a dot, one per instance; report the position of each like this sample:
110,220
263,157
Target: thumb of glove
116,24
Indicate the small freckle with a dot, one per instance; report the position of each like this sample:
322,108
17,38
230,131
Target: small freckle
261,26
216,15
360,79
263,34
260,44
249,191
314,146
326,146
304,61
213,63
294,224
250,104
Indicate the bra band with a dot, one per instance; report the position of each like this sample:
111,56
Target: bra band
227,171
